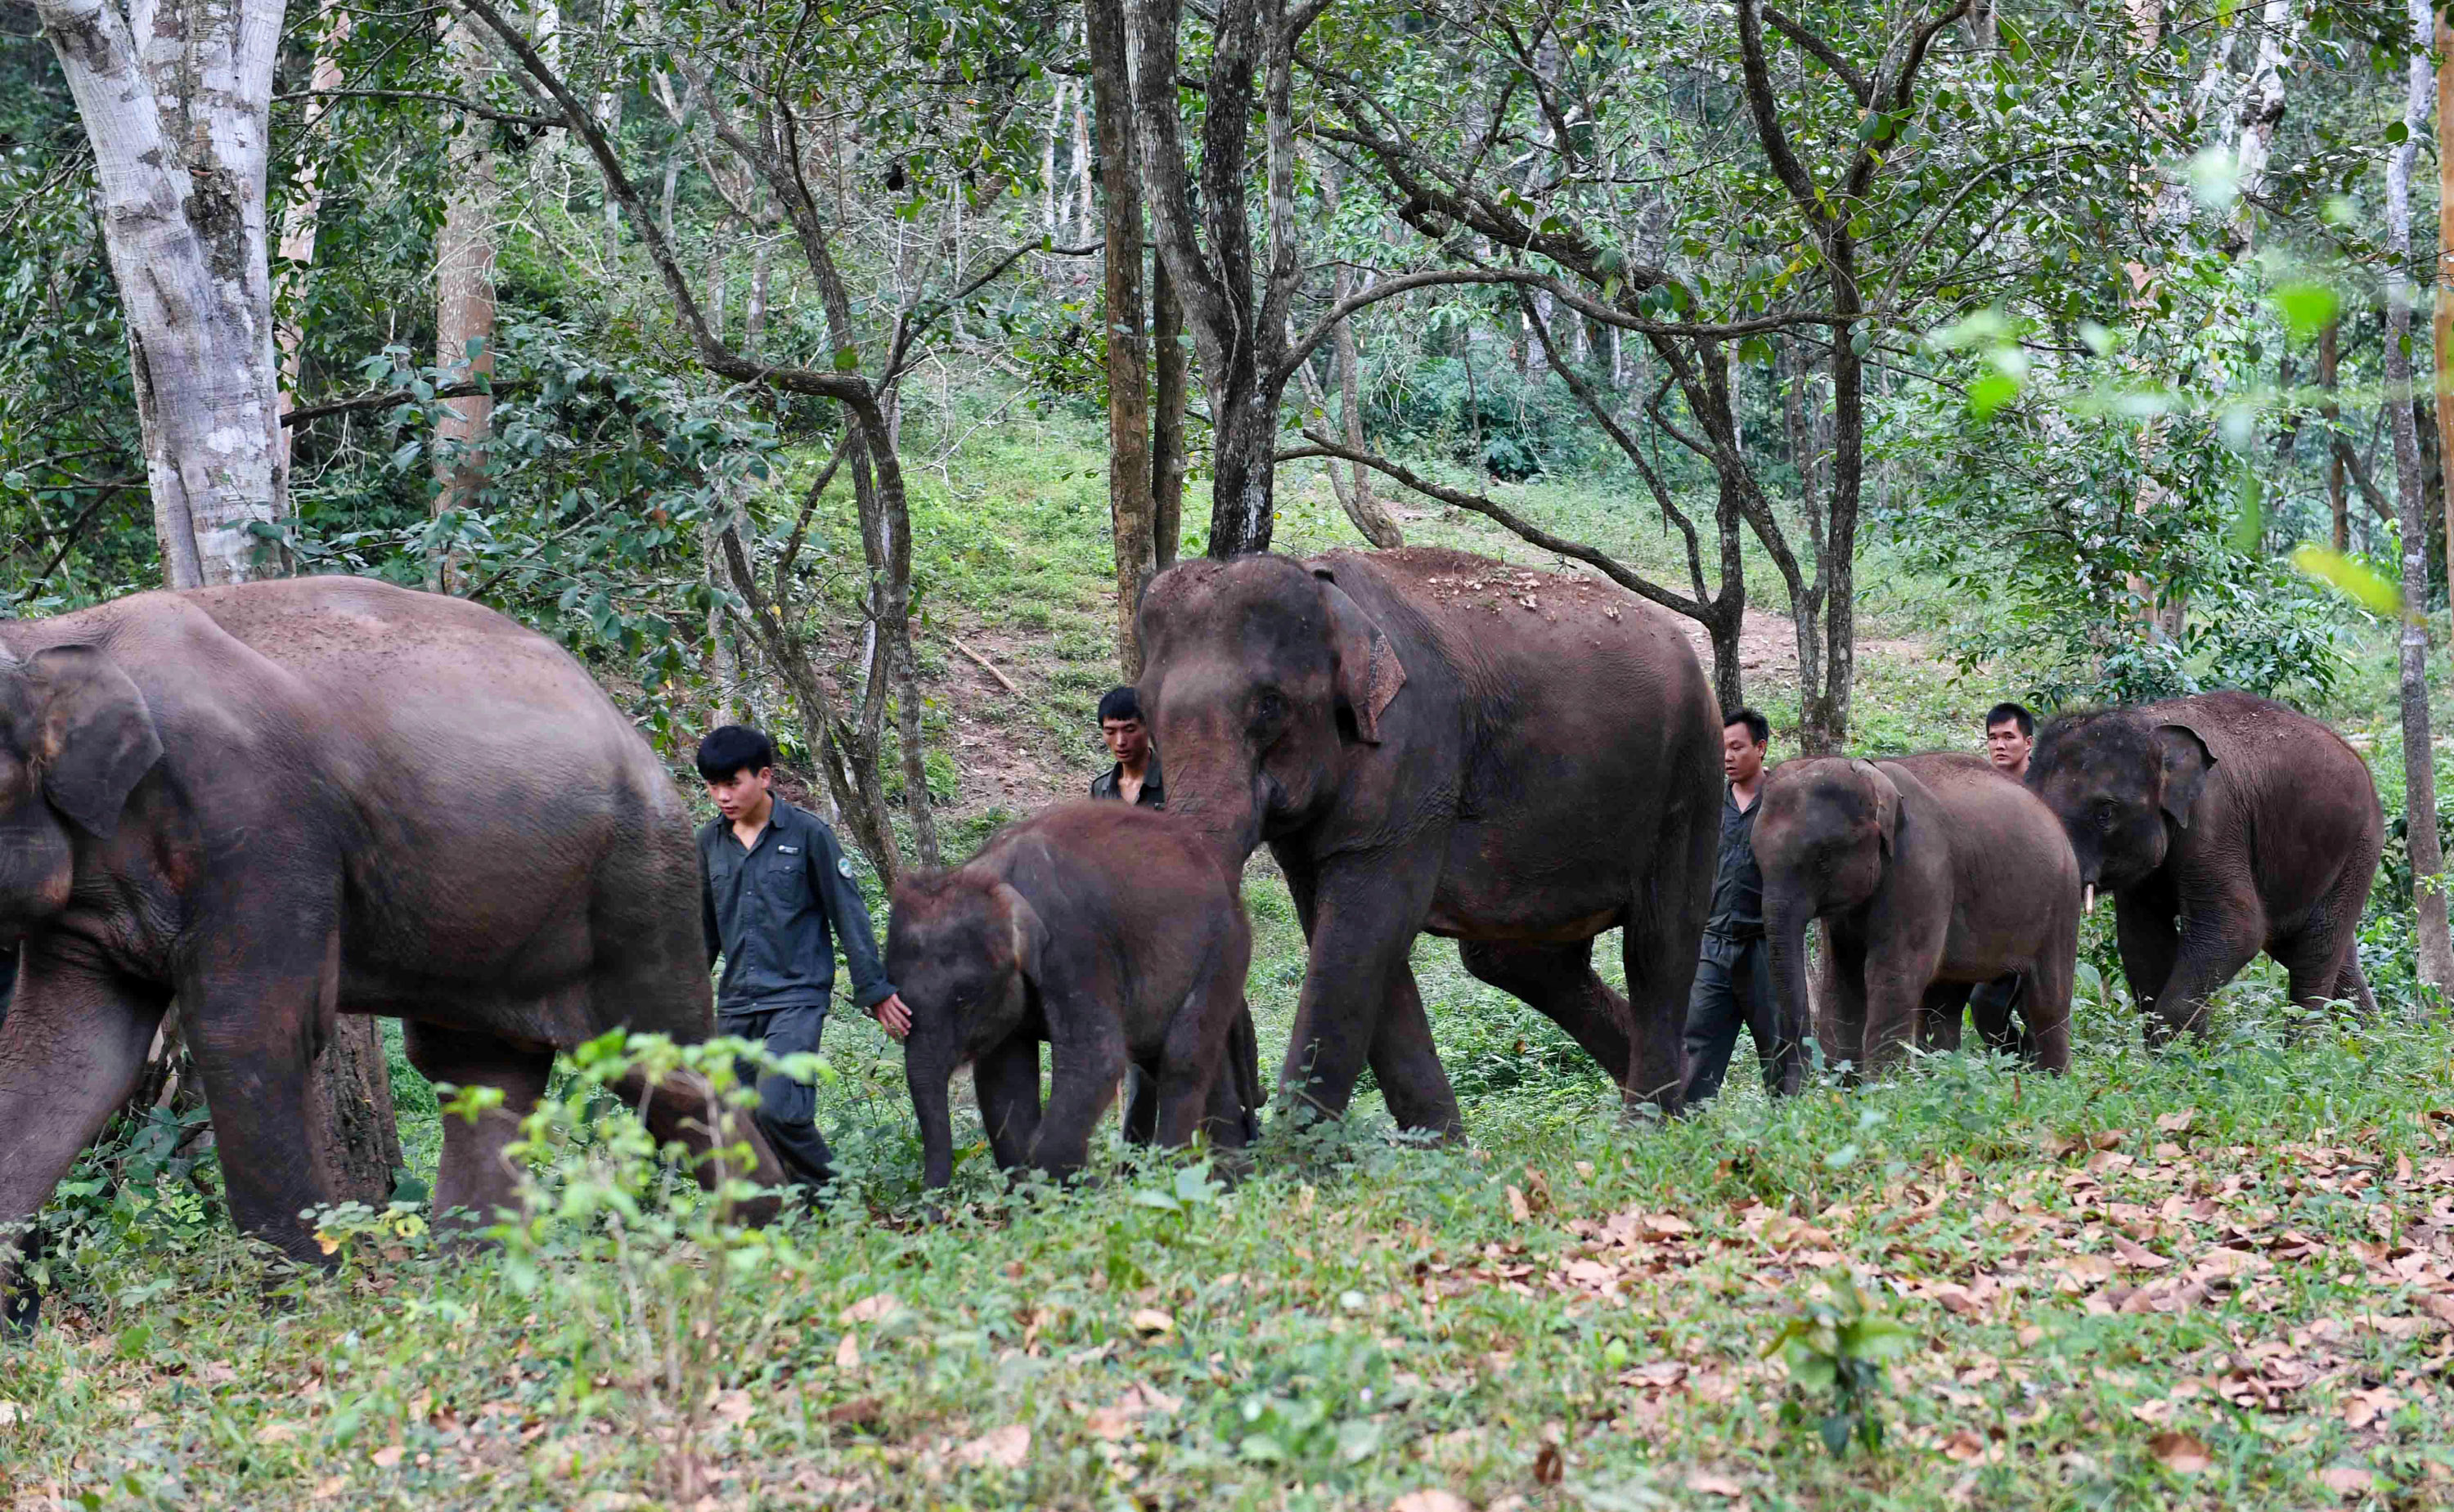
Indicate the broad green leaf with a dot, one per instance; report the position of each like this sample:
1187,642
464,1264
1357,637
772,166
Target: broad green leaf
2306,308
2349,575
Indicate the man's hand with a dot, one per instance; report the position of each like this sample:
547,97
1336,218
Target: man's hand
892,1015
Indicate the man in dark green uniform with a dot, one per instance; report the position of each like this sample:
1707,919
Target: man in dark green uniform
777,895
1734,970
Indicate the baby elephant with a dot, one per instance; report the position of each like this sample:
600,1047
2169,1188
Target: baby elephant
1931,873
1108,930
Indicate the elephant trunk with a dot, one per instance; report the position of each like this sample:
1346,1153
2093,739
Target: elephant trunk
926,1072
1785,922
1222,799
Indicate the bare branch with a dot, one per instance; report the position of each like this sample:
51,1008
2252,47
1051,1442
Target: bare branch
1823,52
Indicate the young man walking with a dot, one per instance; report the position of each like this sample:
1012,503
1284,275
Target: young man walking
1136,777
777,898
1734,970
2010,739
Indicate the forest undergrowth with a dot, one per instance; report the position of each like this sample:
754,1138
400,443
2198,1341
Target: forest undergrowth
2217,1275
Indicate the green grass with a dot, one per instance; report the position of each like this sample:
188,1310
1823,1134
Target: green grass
1566,1312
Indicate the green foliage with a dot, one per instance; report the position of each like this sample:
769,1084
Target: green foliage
1838,1344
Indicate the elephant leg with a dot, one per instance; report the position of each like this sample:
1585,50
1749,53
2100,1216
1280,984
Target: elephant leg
2352,986
1896,981
1558,982
1844,988
473,1180
2224,936
2324,958
1939,1017
1201,1039
2045,1002
1006,1080
1360,1004
1661,943
1089,1058
1997,1006
71,1051
256,1015
2149,943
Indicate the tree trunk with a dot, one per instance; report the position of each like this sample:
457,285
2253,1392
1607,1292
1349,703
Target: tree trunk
1130,476
350,1107
178,139
2329,358
2444,293
2435,958
297,251
1371,517
464,304
1170,386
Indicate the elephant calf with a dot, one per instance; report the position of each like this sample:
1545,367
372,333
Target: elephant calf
1110,931
1932,873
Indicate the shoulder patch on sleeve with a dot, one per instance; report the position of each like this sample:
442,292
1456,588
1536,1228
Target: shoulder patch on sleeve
843,865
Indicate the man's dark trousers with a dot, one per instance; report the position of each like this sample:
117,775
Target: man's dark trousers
1733,987
788,1110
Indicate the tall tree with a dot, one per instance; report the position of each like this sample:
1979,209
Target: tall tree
177,121
464,294
1131,484
2436,958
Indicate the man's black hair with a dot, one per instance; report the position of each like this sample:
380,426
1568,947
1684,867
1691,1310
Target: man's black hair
1120,703
2008,710
1758,727
731,749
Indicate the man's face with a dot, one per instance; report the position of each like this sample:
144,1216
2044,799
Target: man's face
743,795
1127,740
2008,749
1741,758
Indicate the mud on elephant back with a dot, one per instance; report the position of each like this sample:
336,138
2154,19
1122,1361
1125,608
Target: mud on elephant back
2221,824
1429,740
288,800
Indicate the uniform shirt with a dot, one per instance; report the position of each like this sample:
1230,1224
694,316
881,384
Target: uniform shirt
1154,790
1737,885
776,911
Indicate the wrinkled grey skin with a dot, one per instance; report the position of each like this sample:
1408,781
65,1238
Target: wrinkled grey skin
1110,932
1431,741
288,800
2221,824
1931,873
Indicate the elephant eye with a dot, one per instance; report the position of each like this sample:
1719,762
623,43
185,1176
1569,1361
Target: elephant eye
2105,812
1270,706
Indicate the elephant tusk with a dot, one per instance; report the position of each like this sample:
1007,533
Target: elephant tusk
2087,899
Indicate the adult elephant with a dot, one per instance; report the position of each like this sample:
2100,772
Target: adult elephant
288,800
2223,825
1432,741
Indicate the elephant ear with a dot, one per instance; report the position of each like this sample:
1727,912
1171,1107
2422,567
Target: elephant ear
1887,794
2185,762
1369,673
1030,936
94,737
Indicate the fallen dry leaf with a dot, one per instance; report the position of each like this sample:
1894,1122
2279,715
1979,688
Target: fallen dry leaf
2139,1255
734,1408
848,1353
2181,1453
1548,1466
1431,1500
1006,1447
2176,1122
1710,1485
2364,1407
387,1457
330,1487
1963,1446
216,1373
276,1433
858,1410
2344,1480
1150,1323
868,1310
11,1414
1516,1205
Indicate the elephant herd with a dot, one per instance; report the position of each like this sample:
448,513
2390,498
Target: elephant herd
279,802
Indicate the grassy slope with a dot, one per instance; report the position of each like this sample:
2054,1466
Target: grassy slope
1567,1314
